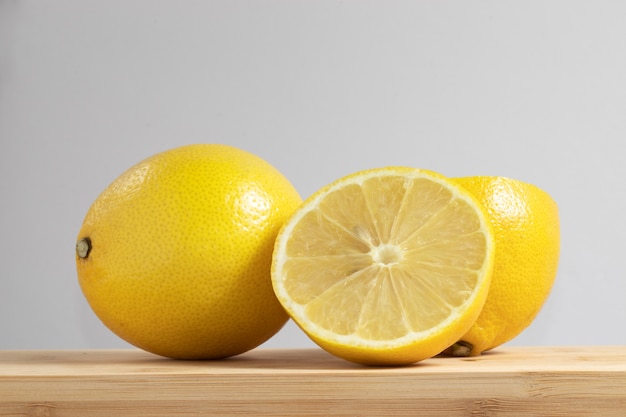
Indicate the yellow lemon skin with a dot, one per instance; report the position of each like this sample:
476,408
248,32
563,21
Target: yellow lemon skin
175,255
526,227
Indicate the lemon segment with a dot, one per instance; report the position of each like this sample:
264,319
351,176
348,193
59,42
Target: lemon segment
385,266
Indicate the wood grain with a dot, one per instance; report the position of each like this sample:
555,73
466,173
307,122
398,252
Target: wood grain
514,381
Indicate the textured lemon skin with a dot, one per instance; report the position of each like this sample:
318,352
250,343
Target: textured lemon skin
181,248
394,353
526,227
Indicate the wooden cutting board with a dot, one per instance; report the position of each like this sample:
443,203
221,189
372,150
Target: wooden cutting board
510,381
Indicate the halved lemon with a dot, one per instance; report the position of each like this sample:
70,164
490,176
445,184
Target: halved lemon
386,266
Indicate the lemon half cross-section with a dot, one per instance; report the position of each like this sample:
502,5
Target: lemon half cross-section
386,266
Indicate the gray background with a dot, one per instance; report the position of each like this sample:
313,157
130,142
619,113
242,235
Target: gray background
534,90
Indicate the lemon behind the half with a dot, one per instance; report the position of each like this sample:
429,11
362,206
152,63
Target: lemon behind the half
525,221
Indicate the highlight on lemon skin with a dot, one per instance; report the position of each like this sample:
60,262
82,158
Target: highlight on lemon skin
525,221
387,266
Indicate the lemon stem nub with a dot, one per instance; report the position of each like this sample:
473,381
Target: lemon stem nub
461,349
83,247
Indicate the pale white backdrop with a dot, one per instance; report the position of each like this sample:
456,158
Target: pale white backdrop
534,90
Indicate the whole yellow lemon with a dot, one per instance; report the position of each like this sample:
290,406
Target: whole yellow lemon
175,255
525,221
